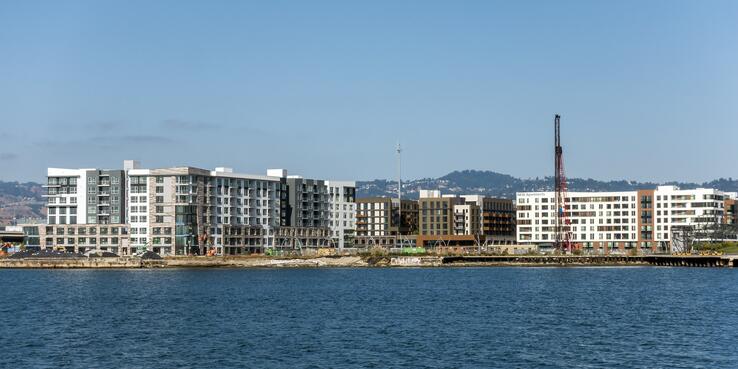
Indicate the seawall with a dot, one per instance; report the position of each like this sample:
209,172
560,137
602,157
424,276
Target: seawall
182,262
78,263
371,261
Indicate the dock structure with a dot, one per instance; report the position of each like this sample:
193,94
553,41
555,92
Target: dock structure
694,261
595,260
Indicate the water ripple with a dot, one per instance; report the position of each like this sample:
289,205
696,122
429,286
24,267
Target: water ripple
371,318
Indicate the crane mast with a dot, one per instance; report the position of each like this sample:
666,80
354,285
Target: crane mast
562,226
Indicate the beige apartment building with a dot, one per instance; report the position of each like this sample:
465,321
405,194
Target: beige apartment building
385,221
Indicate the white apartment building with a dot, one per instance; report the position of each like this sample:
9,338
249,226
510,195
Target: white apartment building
675,208
467,220
377,216
185,210
137,211
245,199
618,220
66,198
342,211
85,196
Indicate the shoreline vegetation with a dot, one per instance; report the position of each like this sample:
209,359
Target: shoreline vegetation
367,261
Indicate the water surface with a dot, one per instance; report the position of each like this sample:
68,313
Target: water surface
377,318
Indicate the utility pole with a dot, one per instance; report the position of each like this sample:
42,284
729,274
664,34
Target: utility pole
481,226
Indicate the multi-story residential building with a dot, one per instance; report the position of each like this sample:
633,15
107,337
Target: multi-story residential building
247,209
643,219
85,196
386,222
307,203
342,212
168,209
466,219
374,217
437,216
386,216
448,219
192,210
187,210
408,215
497,218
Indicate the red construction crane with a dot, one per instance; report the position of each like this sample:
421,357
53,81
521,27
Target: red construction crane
562,227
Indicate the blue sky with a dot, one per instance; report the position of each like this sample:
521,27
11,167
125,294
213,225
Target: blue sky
647,90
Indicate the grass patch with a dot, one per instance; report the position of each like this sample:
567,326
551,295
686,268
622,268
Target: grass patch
724,247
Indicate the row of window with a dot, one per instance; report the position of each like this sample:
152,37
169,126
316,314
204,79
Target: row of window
82,241
338,223
61,200
54,181
138,209
62,219
86,230
544,200
371,205
646,235
62,210
68,190
644,199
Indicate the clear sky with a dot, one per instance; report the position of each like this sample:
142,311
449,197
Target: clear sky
647,90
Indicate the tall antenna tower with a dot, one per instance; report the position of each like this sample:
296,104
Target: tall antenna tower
562,227
399,188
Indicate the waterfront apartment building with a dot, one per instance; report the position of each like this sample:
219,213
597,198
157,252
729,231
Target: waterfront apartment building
467,219
342,212
386,222
386,216
498,217
168,209
85,196
643,219
307,202
466,215
327,205
436,213
188,210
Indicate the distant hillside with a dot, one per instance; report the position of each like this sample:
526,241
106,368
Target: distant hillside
20,200
24,200
503,185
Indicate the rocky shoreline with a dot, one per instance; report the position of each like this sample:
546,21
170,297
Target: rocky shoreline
364,261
